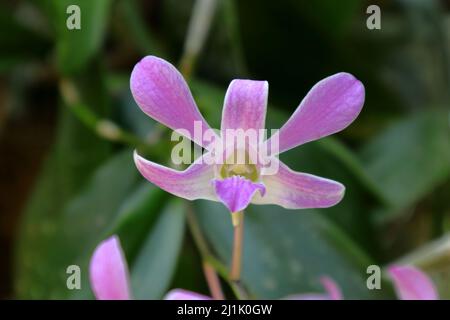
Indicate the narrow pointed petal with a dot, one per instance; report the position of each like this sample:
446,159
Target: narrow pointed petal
308,296
108,271
180,294
192,183
329,107
412,284
163,94
245,105
333,292
331,287
236,192
297,190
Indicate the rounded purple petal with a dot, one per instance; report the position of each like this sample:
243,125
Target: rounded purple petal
329,107
163,94
245,105
236,192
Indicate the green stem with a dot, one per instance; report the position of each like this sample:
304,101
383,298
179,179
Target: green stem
208,257
236,260
103,127
199,25
213,281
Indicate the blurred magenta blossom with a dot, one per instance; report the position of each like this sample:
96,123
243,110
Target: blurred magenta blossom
110,280
330,106
412,284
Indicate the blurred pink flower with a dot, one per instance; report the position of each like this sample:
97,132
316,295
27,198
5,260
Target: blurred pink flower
108,271
412,284
109,275
332,292
181,294
110,280
330,106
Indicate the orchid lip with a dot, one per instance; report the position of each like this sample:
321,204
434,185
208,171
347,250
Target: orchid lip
236,192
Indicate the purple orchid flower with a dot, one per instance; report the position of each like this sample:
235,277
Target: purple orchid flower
330,106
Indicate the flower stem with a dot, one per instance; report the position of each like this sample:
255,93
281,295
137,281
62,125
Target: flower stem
208,257
104,128
213,281
199,26
236,260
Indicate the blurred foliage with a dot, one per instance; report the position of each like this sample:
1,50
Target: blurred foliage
394,160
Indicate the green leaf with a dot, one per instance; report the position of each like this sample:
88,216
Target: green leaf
80,225
330,159
330,17
63,176
136,216
409,159
137,31
76,47
132,222
287,251
153,268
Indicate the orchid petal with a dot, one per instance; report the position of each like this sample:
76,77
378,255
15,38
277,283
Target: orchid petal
412,284
307,296
109,272
236,192
192,183
245,105
297,190
180,294
331,287
329,107
162,93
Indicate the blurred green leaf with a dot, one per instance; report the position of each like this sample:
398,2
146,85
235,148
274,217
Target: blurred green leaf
136,216
133,117
330,159
76,154
330,17
79,226
137,30
133,222
287,251
76,47
153,268
409,159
